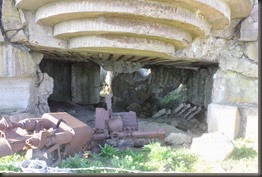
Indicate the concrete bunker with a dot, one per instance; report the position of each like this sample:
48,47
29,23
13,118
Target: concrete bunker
176,95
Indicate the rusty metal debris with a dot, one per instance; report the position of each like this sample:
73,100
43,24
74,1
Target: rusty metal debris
57,135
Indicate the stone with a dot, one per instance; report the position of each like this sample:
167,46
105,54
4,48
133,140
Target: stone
135,107
160,113
44,88
249,30
130,88
249,27
249,122
178,138
228,32
15,94
1,37
241,65
251,51
203,126
224,119
168,112
200,49
214,147
233,88
16,62
154,126
11,22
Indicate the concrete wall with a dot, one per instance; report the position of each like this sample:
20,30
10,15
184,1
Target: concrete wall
77,82
85,83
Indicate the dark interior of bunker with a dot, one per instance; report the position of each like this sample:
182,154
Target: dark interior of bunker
176,96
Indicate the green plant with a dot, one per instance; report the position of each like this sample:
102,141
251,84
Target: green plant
108,151
175,95
243,149
165,159
74,162
11,163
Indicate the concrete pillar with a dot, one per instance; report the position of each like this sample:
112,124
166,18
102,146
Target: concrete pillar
85,84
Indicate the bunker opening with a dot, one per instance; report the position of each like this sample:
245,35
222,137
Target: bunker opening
174,95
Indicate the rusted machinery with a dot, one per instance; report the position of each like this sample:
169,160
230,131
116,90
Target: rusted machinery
57,135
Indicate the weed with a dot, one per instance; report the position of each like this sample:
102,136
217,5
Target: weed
74,162
243,150
10,163
108,151
173,96
165,159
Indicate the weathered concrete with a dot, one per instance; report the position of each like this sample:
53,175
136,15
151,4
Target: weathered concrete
178,139
32,5
122,45
16,94
15,62
12,23
208,9
224,119
249,27
59,11
240,8
241,65
214,147
251,51
41,91
42,36
96,26
233,88
249,122
85,83
1,37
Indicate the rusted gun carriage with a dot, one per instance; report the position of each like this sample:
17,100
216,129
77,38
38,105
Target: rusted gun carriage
57,135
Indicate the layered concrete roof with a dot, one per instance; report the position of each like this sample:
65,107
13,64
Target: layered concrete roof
142,29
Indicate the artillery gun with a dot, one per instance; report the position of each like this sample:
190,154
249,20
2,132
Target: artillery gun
58,135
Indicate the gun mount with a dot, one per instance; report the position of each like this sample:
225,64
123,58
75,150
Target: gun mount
57,135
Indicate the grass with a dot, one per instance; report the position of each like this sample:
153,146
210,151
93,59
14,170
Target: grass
152,158
244,158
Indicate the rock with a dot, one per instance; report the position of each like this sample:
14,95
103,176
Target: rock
15,94
12,24
43,91
1,37
178,139
233,88
168,112
239,64
251,51
203,48
203,126
249,122
249,27
15,62
223,118
153,126
130,88
228,32
212,146
160,113
135,107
